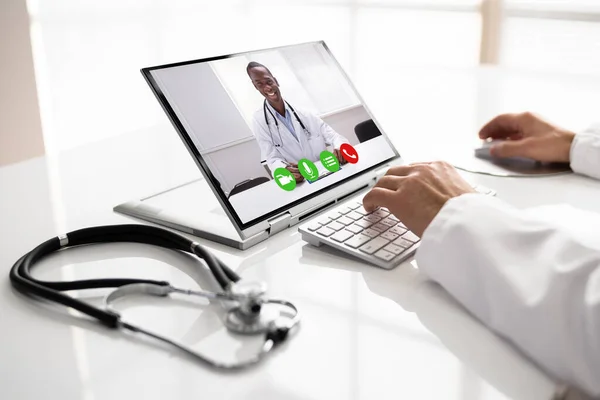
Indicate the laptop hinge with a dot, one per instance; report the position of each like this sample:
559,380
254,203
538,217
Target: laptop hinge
279,223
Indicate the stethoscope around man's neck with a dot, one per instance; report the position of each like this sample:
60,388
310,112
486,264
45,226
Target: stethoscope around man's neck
265,109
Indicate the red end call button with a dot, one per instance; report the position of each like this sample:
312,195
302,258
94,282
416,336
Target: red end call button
349,153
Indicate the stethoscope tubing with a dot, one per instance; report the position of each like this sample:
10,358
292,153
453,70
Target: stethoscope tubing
22,280
163,291
266,109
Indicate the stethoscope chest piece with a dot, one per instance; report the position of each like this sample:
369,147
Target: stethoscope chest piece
254,314
239,322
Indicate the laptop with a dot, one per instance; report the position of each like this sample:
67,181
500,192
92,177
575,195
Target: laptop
282,138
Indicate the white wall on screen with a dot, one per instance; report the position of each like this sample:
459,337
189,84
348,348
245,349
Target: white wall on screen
344,121
320,76
206,111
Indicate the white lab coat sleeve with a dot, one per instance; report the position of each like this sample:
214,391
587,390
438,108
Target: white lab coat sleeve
331,136
585,152
532,276
268,151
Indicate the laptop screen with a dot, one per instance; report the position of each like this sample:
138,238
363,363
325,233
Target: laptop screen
271,128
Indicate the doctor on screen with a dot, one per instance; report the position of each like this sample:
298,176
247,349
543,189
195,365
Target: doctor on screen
284,133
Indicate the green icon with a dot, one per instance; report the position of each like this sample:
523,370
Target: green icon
308,169
329,161
285,179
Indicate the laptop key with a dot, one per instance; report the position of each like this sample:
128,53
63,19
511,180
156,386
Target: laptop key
385,255
371,232
314,226
392,248
403,243
398,230
393,217
323,221
344,210
380,227
325,231
334,215
354,215
411,237
345,220
357,241
336,226
374,245
389,236
341,236
361,210
354,228
355,205
381,213
373,218
363,223
389,222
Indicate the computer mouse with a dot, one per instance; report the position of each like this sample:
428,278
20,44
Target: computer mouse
483,152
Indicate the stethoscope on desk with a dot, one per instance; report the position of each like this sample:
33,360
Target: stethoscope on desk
265,109
244,316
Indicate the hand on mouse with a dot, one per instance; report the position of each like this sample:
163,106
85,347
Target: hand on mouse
416,193
528,135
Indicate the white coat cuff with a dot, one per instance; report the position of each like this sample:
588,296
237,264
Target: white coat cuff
337,143
430,255
275,165
585,153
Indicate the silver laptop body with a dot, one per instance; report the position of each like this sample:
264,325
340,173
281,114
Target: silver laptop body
203,209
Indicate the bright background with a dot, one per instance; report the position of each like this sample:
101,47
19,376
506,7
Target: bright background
87,54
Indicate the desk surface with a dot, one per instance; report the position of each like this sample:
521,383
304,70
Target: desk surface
366,333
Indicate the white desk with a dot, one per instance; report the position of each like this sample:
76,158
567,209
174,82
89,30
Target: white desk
365,334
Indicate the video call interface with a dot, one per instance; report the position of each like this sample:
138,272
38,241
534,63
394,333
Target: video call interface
273,126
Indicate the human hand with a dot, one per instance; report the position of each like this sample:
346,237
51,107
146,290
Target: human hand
293,168
338,154
416,193
528,136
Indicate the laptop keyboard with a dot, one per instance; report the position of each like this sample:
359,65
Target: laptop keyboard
378,233
377,237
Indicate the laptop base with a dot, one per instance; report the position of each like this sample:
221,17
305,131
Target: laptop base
190,208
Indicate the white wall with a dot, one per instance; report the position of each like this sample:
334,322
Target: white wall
320,76
20,126
344,121
203,107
